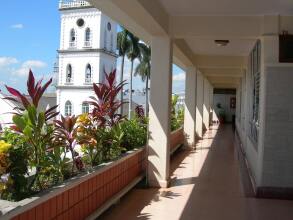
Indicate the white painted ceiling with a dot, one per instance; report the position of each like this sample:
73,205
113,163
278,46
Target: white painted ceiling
236,47
228,7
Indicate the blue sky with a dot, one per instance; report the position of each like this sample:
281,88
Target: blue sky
29,39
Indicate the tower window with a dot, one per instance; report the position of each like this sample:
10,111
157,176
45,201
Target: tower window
111,44
68,108
69,74
87,42
88,74
85,108
105,39
72,40
109,26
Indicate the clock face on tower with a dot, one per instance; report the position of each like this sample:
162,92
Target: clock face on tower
80,22
109,26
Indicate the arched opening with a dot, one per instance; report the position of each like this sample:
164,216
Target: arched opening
105,39
88,74
85,108
112,43
68,108
87,42
72,40
69,73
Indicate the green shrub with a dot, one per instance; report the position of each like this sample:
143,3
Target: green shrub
18,159
134,134
177,114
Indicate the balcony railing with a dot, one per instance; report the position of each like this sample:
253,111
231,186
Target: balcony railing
64,4
69,80
87,44
88,80
72,44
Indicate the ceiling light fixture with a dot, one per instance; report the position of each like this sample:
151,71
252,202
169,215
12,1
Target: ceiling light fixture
222,43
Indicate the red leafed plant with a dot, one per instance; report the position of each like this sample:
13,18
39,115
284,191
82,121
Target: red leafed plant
106,104
35,92
66,132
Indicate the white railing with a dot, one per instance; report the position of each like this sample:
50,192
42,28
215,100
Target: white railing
63,4
87,44
69,80
72,44
88,80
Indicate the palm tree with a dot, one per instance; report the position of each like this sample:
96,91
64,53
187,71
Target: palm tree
122,46
143,69
132,53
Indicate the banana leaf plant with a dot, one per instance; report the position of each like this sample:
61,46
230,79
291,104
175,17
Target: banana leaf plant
66,132
105,103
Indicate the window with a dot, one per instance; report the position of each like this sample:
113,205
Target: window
72,40
256,82
69,73
85,108
111,43
255,64
105,39
88,74
87,42
68,108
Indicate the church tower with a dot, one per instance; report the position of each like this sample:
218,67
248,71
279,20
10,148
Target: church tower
87,48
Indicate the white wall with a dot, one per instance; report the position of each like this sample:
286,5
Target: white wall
278,131
78,62
6,107
224,100
92,18
100,55
76,100
199,103
206,104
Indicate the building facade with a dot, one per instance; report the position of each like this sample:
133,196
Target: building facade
87,50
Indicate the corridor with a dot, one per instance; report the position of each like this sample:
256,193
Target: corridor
206,185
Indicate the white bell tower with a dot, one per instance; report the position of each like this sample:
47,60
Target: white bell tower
87,49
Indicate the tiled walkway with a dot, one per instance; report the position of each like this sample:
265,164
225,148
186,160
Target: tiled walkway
205,185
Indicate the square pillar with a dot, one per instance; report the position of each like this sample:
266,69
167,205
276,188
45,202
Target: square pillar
206,105
159,113
190,107
199,104
211,91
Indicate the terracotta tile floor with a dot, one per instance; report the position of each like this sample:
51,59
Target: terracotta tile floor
205,185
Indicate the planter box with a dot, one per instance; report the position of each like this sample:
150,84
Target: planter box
84,196
177,140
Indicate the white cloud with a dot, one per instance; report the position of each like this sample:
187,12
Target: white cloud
27,65
17,26
7,61
179,77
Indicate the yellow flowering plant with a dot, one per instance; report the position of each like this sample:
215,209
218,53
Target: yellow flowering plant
4,147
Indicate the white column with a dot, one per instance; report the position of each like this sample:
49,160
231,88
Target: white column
199,104
206,104
159,113
190,107
211,103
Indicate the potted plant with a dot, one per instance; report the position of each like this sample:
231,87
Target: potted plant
221,113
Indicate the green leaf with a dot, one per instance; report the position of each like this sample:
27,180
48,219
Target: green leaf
32,112
28,131
19,121
41,120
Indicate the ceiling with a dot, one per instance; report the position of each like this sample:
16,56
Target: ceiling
236,47
227,7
